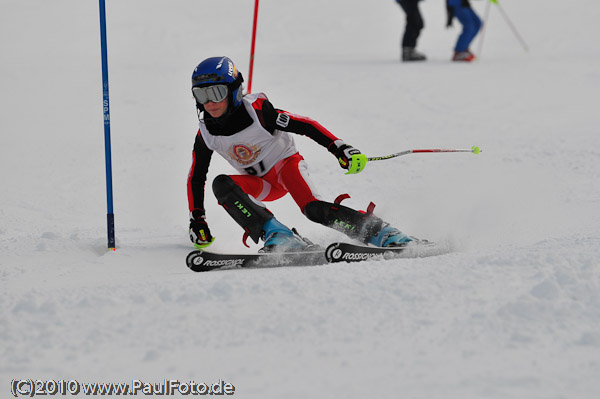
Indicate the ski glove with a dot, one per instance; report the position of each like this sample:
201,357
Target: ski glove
199,231
349,157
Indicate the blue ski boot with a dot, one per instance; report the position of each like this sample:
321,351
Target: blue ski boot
389,236
278,238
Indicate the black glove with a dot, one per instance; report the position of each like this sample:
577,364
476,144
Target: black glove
199,231
343,152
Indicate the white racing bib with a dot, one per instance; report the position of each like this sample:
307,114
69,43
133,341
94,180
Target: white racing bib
254,150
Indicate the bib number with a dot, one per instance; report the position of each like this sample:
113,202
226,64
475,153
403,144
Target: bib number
255,170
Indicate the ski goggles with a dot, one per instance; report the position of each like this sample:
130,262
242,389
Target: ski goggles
214,93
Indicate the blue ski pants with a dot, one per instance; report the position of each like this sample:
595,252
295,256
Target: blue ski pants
470,21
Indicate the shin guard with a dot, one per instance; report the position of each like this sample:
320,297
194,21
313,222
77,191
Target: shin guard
354,224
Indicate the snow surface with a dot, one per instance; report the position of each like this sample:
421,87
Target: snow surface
512,312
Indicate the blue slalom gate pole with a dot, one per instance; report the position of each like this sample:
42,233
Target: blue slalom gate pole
110,216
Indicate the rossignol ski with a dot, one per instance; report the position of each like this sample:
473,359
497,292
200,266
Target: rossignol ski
203,261
347,252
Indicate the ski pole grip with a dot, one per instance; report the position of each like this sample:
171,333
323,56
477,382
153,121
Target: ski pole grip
358,163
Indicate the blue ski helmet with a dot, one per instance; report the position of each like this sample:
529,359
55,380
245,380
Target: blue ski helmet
218,71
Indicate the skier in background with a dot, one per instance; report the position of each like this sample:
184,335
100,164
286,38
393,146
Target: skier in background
461,9
412,30
254,137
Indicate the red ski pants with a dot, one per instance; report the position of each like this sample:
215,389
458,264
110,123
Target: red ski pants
290,175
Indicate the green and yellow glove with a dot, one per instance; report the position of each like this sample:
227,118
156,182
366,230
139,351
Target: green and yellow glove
349,157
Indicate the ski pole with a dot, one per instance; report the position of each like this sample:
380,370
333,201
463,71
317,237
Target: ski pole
359,161
474,150
510,24
484,28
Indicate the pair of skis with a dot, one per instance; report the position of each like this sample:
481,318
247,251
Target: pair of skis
202,261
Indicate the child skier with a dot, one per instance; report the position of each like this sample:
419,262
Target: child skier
254,137
471,23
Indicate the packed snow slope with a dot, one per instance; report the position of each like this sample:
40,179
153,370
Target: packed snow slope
512,312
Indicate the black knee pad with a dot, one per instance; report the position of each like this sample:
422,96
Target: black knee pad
221,185
246,212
